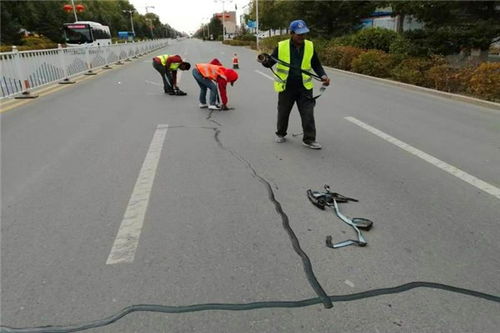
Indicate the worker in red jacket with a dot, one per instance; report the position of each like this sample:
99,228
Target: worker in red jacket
215,78
167,66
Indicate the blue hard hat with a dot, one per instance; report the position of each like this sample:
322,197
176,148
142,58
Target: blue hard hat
299,27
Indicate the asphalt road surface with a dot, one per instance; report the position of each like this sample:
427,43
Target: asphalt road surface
115,194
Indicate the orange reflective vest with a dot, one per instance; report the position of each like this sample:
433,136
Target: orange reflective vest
210,71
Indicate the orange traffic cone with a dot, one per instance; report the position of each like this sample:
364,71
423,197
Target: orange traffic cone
235,62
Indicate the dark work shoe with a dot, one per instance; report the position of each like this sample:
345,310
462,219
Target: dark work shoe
312,144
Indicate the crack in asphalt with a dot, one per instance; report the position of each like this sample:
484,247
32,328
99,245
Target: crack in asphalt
323,298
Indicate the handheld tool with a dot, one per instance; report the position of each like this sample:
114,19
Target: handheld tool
331,199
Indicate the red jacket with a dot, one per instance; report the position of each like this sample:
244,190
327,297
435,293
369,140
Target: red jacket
222,83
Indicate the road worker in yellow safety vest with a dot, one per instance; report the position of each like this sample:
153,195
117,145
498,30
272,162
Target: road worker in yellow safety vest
167,66
292,84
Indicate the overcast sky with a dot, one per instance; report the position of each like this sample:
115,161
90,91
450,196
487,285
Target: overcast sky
187,15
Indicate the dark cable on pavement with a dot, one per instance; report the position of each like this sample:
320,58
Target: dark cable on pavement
248,306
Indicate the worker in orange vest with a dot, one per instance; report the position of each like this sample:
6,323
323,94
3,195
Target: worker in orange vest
213,77
236,65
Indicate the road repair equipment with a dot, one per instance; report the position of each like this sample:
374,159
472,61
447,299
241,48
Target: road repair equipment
332,199
263,57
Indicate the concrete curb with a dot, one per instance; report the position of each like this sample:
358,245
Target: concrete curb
462,98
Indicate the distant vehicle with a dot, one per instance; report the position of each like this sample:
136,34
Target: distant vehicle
86,33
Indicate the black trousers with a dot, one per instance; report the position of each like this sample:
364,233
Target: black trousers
167,86
305,104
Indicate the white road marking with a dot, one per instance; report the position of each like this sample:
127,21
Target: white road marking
349,283
154,83
480,184
127,239
263,74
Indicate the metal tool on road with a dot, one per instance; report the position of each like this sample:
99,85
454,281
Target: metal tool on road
264,57
332,199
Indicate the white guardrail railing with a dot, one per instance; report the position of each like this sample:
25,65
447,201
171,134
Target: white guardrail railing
21,71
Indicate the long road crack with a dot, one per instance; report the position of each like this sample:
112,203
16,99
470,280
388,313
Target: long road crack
323,298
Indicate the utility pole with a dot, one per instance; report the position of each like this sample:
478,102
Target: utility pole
74,10
130,12
223,18
257,22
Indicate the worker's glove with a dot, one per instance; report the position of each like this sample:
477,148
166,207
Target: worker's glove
264,59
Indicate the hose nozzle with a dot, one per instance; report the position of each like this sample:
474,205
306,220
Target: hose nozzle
263,57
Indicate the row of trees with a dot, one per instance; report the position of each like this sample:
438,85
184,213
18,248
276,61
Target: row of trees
214,27
457,24
47,17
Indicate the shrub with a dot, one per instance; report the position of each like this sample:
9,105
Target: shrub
320,45
413,70
235,42
36,43
268,44
400,45
343,40
444,77
373,62
5,48
246,37
341,56
374,38
485,81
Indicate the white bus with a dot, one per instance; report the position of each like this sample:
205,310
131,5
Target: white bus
86,33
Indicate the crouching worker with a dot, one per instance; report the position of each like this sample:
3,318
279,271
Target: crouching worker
167,66
215,78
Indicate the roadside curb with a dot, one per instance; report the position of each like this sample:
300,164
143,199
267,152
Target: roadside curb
462,98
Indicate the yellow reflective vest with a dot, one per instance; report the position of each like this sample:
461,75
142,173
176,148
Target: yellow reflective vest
173,66
282,70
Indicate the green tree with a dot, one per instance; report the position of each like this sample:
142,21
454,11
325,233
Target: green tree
10,23
452,25
48,17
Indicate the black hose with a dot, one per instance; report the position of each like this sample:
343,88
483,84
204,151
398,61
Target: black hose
248,306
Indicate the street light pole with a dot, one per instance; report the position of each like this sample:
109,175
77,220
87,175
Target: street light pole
257,22
74,10
223,18
130,11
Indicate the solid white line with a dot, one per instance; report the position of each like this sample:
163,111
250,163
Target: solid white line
154,83
480,184
264,74
127,239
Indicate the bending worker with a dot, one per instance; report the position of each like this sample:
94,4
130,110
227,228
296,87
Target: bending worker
167,66
293,85
210,76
